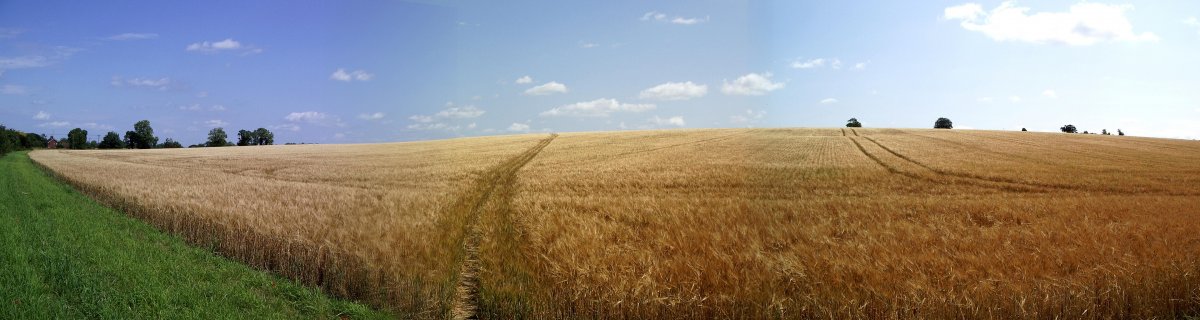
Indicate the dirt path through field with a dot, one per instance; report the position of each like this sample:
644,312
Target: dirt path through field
503,176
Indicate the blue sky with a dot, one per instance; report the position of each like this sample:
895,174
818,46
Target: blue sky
372,71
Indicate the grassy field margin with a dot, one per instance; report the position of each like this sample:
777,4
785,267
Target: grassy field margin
62,255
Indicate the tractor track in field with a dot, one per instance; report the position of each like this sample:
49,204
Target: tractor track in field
502,176
994,182
999,185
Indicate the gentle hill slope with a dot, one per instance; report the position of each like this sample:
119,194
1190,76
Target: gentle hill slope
696,223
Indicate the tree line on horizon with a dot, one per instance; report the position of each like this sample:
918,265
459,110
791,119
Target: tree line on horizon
141,137
945,123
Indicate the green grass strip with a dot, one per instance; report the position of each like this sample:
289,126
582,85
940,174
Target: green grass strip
63,255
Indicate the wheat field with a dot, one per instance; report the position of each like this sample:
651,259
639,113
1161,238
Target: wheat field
714,223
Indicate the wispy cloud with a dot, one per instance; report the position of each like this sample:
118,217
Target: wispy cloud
596,108
54,124
1050,94
9,33
518,127
198,107
751,84
357,75
41,115
227,45
216,123
747,118
13,89
371,116
674,91
163,83
817,63
671,121
132,36
829,101
43,59
1084,23
314,117
444,119
664,18
1192,22
546,89
524,80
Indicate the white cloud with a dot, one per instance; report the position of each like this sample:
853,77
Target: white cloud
133,36
596,108
314,117
524,80
1050,94
286,126
371,116
749,117
1014,99
8,33
752,84
55,55
967,12
1085,23
227,44
159,84
832,63
97,126
518,127
306,116
41,115
1192,22
986,100
808,64
674,91
688,21
215,123
662,17
451,113
54,124
13,89
459,113
23,62
357,75
421,118
547,88
672,121
829,101
198,107
588,45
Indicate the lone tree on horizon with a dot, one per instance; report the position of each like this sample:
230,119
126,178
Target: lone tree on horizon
1070,128
853,123
943,123
217,137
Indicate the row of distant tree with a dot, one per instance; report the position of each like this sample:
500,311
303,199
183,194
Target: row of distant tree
141,137
14,140
1070,128
218,138
940,123
945,123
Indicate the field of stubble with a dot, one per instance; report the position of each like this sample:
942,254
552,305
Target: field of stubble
728,223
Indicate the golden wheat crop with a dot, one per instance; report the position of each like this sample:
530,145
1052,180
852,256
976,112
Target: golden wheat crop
373,222
730,223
